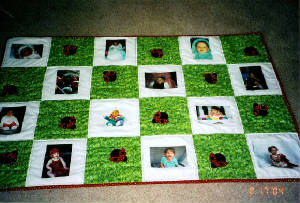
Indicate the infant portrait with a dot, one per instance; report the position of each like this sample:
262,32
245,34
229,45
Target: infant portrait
67,82
165,80
115,50
57,161
26,51
168,157
11,120
211,113
201,48
253,78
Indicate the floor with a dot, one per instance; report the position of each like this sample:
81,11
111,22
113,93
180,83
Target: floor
277,20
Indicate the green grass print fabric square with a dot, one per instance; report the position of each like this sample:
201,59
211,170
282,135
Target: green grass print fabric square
83,56
13,172
51,114
169,46
235,150
178,116
99,168
28,81
234,46
277,120
125,84
197,86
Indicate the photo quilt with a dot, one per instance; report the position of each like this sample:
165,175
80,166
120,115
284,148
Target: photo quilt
83,111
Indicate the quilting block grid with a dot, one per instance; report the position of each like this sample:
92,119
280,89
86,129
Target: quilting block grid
162,118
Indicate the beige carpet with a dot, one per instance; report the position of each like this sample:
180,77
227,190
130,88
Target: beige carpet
278,20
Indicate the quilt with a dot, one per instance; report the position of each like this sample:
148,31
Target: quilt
83,111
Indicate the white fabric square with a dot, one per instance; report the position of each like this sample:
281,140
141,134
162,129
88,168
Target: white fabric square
126,125
85,73
28,124
286,143
187,56
167,92
239,86
130,53
33,60
189,172
231,125
77,165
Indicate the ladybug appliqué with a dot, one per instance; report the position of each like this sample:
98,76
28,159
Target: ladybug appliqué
217,160
9,90
118,155
8,158
68,122
211,78
260,109
70,50
109,76
251,51
160,117
157,53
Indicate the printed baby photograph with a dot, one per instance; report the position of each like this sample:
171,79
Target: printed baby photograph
26,51
213,113
201,48
57,160
165,80
11,119
253,78
167,157
115,50
67,82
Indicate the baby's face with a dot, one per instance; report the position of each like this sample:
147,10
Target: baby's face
55,155
26,52
201,47
160,80
214,111
252,75
116,43
115,113
274,151
9,113
169,154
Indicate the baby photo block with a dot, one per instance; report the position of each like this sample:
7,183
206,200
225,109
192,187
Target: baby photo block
115,51
161,81
27,52
201,50
67,83
211,115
